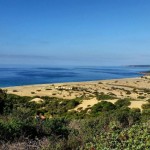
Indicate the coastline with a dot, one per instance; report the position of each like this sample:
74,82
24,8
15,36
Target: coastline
73,82
137,89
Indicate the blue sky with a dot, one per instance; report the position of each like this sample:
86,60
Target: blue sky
75,32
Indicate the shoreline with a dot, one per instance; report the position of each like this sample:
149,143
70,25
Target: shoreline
136,89
74,82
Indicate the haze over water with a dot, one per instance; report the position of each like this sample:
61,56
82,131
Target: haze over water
17,76
75,32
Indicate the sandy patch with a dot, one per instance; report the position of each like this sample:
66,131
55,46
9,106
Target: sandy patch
37,100
137,104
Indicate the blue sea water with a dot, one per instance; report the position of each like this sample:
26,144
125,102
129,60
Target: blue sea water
27,75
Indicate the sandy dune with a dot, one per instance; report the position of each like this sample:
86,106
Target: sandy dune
134,88
87,103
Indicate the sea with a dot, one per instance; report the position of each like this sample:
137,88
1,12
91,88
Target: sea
29,75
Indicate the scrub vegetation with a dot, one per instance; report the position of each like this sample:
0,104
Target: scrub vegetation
103,126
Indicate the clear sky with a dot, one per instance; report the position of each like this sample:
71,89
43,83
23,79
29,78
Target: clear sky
75,32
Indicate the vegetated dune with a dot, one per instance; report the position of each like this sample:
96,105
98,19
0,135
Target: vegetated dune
137,89
89,103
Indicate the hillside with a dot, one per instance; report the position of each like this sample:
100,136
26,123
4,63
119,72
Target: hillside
91,120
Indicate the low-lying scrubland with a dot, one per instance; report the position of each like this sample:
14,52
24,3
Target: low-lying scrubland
105,126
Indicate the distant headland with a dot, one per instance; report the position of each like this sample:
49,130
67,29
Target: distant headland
139,66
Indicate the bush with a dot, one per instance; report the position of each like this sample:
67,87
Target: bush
102,106
56,127
121,116
70,104
141,97
128,92
103,96
146,106
148,100
136,137
11,128
122,103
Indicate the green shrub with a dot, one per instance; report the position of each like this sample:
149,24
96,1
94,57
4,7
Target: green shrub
11,128
70,104
121,116
128,92
136,138
103,96
148,100
146,106
122,103
56,127
141,97
146,115
102,106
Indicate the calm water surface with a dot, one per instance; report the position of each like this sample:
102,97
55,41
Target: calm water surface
14,76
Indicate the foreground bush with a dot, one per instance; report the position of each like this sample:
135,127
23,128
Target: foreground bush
122,103
137,137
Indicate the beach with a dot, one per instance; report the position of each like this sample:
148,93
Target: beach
136,89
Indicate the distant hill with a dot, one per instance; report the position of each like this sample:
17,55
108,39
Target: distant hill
139,66
142,66
146,72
